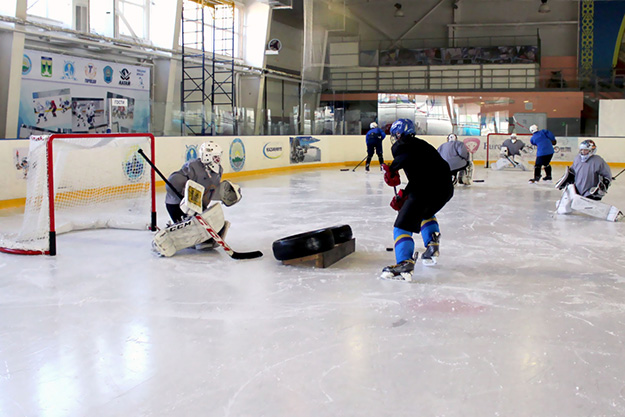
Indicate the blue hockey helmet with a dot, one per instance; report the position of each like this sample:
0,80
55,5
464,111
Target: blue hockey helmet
402,127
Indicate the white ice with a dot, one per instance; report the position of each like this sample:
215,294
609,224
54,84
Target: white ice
523,316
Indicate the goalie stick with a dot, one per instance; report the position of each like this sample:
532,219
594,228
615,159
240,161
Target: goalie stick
614,177
232,253
514,164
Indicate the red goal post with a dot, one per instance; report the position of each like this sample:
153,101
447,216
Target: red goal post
494,141
84,181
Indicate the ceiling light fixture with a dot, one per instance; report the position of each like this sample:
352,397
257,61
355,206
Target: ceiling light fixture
398,12
544,7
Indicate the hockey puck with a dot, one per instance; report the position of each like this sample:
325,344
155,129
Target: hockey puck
346,169
478,180
389,249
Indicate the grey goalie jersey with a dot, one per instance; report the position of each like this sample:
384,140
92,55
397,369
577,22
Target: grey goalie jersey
514,148
587,173
194,170
455,153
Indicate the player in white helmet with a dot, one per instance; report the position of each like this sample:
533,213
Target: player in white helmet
544,142
585,183
510,154
374,139
206,171
457,156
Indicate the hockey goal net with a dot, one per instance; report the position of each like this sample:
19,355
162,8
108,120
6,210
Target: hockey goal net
84,181
495,140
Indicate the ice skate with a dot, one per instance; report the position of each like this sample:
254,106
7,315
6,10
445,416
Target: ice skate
367,168
547,179
432,252
534,180
400,272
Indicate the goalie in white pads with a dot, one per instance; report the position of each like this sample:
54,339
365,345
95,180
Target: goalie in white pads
510,154
199,181
456,154
585,184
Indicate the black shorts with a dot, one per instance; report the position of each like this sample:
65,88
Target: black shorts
543,160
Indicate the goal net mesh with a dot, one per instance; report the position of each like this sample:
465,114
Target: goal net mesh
495,140
96,181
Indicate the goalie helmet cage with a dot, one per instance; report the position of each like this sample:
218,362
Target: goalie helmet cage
84,181
494,141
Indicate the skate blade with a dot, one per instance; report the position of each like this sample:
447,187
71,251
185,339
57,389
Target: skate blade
429,262
403,277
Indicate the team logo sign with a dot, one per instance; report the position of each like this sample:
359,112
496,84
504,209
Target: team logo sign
68,71
133,165
272,150
124,76
27,64
107,73
472,144
191,153
237,155
90,73
46,67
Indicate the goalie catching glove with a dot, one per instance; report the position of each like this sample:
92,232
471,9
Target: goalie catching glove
230,193
391,177
398,201
567,178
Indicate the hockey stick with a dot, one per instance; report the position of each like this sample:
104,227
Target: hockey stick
514,164
233,254
614,177
363,160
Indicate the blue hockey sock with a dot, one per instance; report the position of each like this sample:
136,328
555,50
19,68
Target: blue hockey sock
428,228
404,244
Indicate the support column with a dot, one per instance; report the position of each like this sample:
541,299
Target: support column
12,45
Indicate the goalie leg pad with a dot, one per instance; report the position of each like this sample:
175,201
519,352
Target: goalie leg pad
563,206
501,164
466,175
595,208
210,243
188,233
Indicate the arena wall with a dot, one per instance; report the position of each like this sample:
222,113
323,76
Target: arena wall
253,155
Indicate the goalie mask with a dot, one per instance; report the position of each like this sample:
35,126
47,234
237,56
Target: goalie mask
587,149
401,128
373,125
452,136
513,137
210,155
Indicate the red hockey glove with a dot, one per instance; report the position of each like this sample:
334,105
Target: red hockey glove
390,177
398,201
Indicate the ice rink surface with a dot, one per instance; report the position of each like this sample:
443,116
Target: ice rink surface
523,316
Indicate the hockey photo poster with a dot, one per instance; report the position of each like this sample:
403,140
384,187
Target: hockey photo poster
65,94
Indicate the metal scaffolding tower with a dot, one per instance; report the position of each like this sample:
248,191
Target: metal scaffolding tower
208,88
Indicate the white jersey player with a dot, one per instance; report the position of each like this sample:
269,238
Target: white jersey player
510,154
585,184
456,154
187,230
